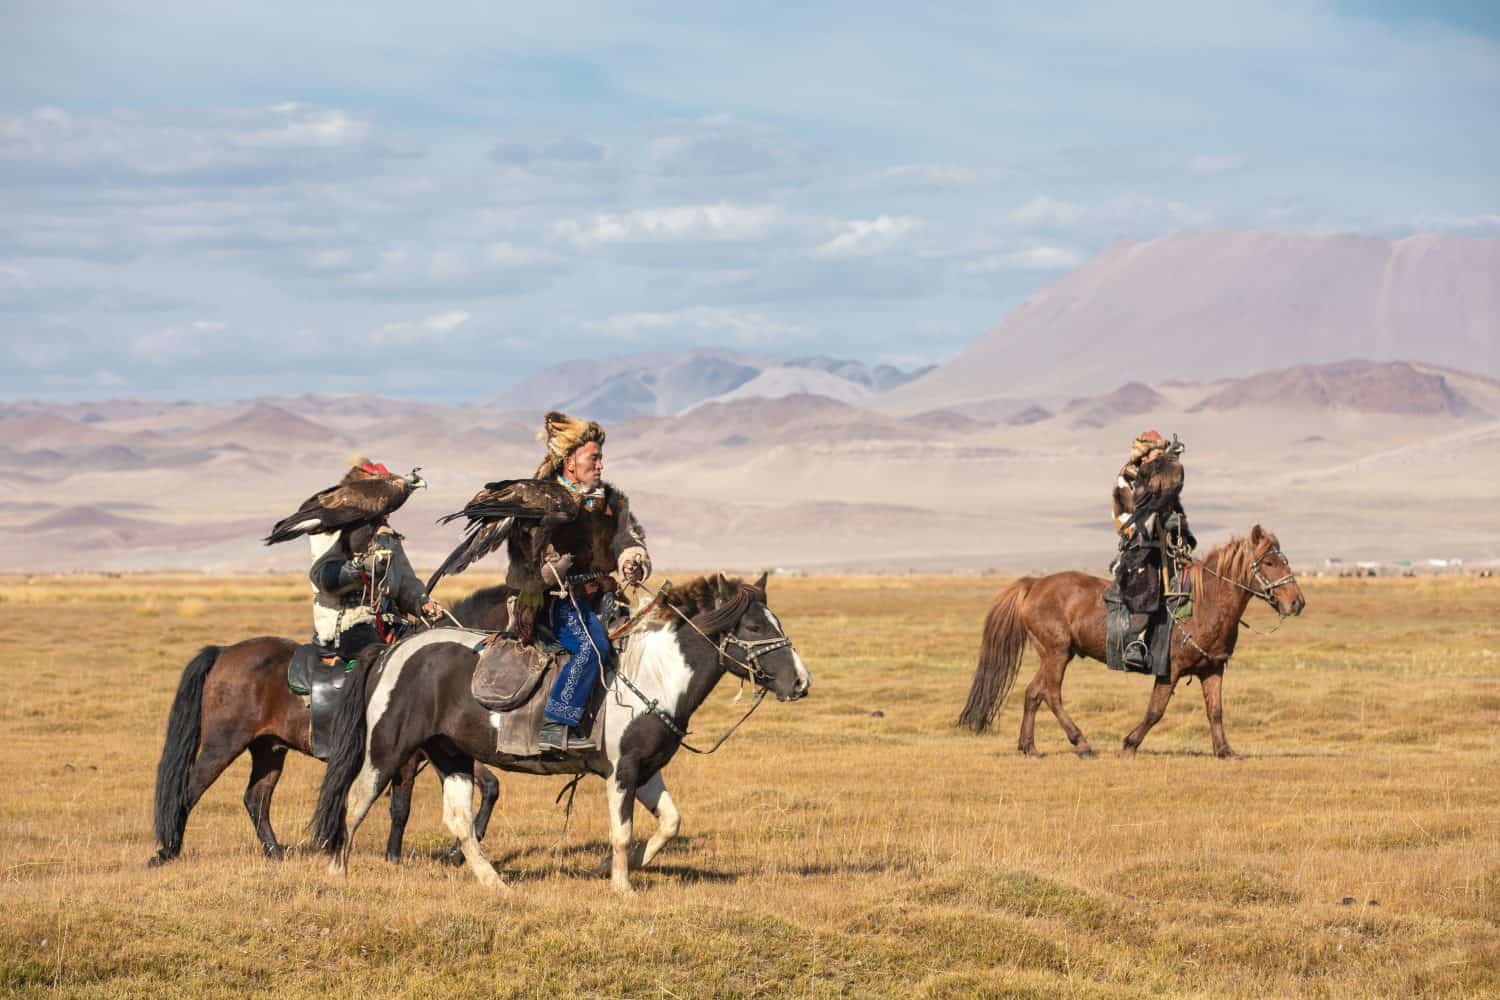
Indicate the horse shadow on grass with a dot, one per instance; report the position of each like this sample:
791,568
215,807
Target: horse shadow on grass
589,860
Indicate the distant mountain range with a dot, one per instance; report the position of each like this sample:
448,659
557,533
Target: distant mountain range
1340,390
662,385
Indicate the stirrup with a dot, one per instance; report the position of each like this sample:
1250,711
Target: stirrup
1137,653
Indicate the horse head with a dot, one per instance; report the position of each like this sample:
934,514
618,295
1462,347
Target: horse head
1270,574
751,640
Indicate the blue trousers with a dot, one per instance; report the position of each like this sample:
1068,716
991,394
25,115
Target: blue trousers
575,682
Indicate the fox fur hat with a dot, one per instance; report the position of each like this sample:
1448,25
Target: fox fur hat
1144,443
564,435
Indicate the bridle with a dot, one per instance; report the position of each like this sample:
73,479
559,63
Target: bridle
754,649
1267,593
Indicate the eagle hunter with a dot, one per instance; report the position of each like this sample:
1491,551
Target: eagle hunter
355,502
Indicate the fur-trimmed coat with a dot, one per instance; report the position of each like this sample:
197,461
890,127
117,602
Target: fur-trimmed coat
604,539
334,613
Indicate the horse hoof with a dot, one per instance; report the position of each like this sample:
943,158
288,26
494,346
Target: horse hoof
160,858
274,853
1227,754
454,857
1086,753
490,879
394,857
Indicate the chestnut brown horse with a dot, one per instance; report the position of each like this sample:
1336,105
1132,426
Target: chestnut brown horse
1064,615
235,698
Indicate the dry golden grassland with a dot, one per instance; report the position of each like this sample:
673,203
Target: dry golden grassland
851,844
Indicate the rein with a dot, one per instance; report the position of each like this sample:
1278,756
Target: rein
754,649
1267,594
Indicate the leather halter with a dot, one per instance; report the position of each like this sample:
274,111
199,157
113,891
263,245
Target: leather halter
1268,587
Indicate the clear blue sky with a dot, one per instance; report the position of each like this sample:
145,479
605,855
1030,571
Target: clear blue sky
216,201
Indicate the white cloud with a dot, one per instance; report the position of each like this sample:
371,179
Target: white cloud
684,223
868,237
943,174
1043,258
288,137
305,128
1215,164
745,327
433,330
1043,212
197,338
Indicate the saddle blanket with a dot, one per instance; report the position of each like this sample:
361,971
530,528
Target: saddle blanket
1158,641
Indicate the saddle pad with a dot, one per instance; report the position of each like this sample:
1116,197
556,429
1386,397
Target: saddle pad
508,673
517,732
1158,640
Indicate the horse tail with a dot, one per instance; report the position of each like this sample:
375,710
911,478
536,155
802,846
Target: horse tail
179,754
999,657
345,759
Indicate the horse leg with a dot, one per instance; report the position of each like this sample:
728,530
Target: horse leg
621,815
1054,668
367,786
217,752
653,795
1155,709
266,760
489,794
1027,743
457,771
1213,703
401,789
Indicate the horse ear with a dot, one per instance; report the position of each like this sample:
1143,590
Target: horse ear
760,584
1256,534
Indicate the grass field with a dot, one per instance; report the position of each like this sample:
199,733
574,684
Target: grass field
851,844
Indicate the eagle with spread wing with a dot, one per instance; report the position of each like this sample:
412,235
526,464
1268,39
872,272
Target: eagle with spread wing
496,510
368,499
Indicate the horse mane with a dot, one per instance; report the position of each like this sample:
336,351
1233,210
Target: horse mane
1231,560
713,603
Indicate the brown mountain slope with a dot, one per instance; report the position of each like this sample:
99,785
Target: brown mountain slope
1213,304
1363,386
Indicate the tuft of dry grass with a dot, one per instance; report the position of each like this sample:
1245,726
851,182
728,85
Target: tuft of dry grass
828,850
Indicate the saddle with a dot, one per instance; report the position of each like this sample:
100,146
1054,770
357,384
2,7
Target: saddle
512,680
320,681
1117,634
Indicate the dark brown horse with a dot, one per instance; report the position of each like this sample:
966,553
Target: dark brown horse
1064,615
235,698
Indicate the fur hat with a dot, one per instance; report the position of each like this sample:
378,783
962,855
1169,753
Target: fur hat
1142,445
361,467
564,435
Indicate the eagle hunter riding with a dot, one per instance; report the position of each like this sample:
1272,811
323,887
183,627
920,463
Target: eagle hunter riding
567,533
1153,534
363,584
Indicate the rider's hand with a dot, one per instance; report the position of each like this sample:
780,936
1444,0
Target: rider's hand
379,557
555,569
432,611
635,571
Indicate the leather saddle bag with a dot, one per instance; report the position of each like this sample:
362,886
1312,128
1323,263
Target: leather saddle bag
508,673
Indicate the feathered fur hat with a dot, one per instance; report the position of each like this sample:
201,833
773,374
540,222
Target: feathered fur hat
1142,445
564,435
361,467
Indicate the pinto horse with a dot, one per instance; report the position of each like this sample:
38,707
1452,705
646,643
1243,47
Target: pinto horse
418,699
235,698
1064,614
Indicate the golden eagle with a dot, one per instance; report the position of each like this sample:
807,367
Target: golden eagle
351,504
496,509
